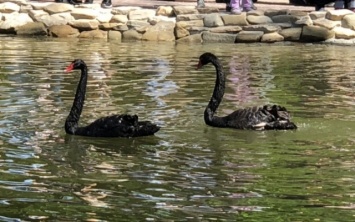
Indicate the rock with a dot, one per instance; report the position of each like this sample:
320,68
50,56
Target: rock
63,31
337,15
124,10
93,34
189,17
226,29
13,21
189,24
249,36
218,37
17,2
165,11
85,24
119,19
240,20
114,35
58,8
317,15
132,35
180,31
104,16
207,10
183,10
121,28
84,13
40,5
263,28
25,8
298,13
32,28
197,30
348,21
291,34
109,26
212,20
273,12
304,20
284,18
344,33
141,14
349,42
37,14
252,19
272,37
163,31
9,7
322,22
197,38
315,33
255,13
139,26
155,19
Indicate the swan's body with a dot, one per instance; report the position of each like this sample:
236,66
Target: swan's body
110,126
267,117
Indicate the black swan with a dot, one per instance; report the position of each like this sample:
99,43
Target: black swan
268,117
110,126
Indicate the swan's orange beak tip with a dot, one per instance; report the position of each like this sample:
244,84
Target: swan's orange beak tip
69,68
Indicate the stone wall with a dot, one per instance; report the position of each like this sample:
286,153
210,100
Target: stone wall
177,23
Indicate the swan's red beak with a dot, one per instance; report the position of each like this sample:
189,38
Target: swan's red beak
199,65
69,68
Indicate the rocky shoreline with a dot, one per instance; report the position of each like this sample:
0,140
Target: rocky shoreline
174,23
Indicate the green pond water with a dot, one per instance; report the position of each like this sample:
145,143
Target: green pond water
188,171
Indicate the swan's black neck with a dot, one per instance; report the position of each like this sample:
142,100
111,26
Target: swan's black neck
217,95
71,123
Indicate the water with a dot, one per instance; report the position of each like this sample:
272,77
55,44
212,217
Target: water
187,171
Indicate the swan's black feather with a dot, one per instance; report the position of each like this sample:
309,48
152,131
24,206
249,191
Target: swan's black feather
267,117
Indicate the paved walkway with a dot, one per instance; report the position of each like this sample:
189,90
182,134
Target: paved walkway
261,4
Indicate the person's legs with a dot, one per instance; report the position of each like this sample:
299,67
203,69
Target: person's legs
247,5
351,5
74,2
58,0
339,4
235,5
200,3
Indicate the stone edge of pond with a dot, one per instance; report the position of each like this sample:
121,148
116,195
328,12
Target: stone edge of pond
175,23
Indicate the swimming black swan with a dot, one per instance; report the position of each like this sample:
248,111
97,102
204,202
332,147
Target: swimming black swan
267,117
110,126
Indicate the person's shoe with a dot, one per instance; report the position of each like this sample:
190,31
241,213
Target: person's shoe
89,1
236,11
228,8
320,8
74,2
106,4
59,1
247,9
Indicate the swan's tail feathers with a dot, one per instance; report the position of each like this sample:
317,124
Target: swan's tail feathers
281,119
280,125
146,128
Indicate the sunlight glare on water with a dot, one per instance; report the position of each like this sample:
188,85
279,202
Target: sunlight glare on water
187,171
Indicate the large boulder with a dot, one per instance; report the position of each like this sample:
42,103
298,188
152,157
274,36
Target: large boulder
13,21
316,34
32,28
291,34
212,20
141,14
94,34
85,24
240,20
162,31
218,37
9,7
63,31
249,36
58,8
84,13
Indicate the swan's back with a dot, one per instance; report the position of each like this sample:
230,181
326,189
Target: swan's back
268,117
118,126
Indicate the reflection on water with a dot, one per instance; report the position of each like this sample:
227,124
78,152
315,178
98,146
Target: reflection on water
188,171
